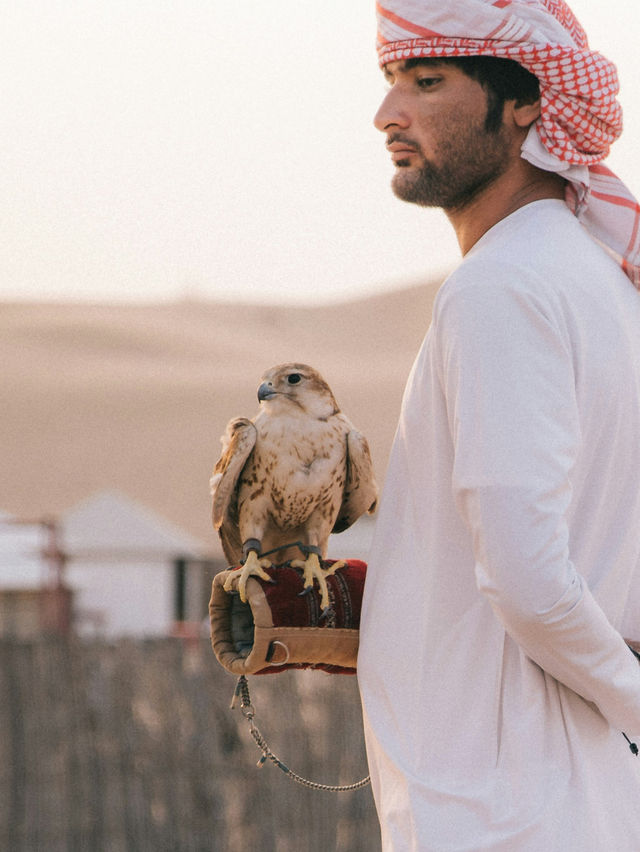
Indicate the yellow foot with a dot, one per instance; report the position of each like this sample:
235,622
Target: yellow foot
335,567
253,567
313,571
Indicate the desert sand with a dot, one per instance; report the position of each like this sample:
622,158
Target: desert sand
135,398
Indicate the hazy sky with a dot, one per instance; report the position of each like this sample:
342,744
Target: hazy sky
154,149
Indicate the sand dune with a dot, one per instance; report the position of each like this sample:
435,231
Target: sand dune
135,398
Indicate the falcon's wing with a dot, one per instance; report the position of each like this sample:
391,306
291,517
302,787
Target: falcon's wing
238,443
360,490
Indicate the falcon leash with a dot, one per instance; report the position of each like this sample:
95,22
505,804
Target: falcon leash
248,711
278,628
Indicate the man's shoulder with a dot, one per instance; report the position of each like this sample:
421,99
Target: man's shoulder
540,249
491,275
541,235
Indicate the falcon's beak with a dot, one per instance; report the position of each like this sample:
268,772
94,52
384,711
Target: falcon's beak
265,391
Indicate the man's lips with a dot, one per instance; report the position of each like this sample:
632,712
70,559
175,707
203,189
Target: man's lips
400,150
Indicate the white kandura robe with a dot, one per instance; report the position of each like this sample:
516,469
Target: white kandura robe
506,561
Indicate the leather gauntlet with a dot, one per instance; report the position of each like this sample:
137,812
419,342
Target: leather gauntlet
281,627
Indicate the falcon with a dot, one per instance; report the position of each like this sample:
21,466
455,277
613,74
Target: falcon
289,477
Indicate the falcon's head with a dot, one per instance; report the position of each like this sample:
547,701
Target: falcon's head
297,386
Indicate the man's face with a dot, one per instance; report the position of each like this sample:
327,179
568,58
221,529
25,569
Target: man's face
434,116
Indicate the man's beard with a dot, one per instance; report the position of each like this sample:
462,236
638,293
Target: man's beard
461,178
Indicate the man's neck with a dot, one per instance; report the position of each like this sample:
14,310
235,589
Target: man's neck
520,185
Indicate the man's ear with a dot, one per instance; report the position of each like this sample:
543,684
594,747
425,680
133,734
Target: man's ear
525,113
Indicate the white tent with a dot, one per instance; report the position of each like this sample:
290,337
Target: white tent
122,566
22,554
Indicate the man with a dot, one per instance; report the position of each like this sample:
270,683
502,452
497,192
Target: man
495,680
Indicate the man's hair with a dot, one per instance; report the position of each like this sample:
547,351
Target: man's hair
502,79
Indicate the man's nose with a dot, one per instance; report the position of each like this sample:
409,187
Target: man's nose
392,112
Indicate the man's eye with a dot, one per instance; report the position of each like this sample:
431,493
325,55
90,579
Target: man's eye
427,82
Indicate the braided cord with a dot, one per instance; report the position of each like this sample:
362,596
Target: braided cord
248,711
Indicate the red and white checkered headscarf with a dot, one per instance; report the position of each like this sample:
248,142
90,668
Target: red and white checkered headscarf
580,116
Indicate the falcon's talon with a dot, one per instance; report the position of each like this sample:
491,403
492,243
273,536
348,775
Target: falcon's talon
253,567
335,567
313,570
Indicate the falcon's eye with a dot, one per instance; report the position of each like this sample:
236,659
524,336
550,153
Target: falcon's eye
294,378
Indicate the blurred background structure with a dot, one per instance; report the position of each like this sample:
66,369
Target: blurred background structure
131,747
116,726
116,720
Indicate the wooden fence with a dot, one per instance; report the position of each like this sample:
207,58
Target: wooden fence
132,747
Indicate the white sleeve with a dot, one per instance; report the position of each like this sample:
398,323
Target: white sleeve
507,370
